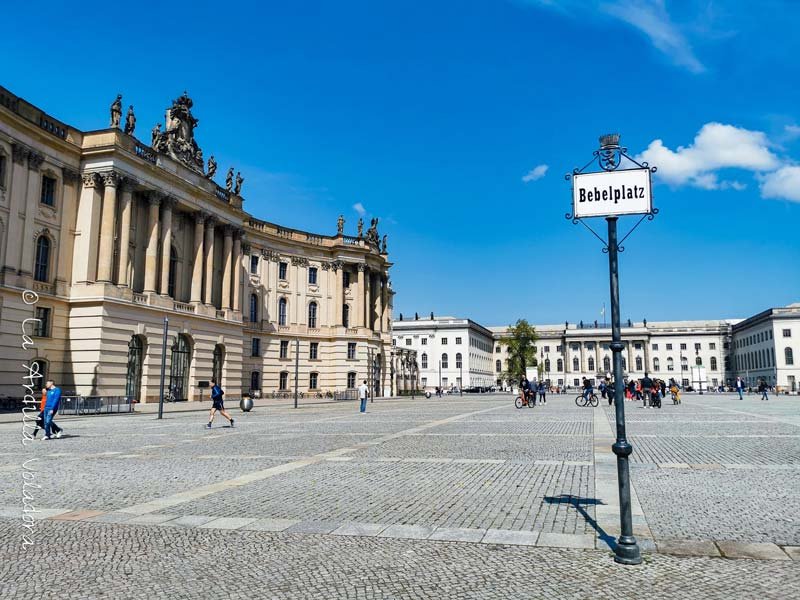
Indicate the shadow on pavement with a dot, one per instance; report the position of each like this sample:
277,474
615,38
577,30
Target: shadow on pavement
579,504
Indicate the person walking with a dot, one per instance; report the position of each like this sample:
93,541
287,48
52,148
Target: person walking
362,395
632,389
762,387
217,404
647,390
51,408
740,387
542,392
40,419
534,389
609,390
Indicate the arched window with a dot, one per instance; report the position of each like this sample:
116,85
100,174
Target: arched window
788,356
547,365
559,365
458,360
591,364
179,369
424,360
255,381
254,307
133,378
606,364
670,364
656,364
283,380
444,361
218,362
346,315
173,268
698,361
639,366
312,315
42,266
282,311
498,366
576,364
713,363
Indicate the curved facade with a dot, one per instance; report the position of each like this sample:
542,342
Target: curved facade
112,235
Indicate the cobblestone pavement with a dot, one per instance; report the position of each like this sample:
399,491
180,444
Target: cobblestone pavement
441,498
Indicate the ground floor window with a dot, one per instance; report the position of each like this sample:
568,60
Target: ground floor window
351,380
313,380
255,381
133,378
283,382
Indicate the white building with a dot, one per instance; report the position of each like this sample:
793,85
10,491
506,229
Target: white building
765,347
451,352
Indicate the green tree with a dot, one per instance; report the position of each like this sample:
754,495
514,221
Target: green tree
521,350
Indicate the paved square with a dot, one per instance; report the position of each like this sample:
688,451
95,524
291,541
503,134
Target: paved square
457,497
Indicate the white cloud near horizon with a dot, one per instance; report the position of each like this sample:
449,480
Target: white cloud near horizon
719,146
359,208
536,173
649,17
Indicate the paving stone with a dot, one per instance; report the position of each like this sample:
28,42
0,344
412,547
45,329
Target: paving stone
760,551
111,517
188,521
359,529
76,515
271,524
313,527
565,540
505,536
792,551
226,523
457,535
688,547
151,519
409,532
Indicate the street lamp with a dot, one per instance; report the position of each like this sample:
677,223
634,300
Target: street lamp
698,364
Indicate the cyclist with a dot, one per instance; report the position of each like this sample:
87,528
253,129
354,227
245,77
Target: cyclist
588,389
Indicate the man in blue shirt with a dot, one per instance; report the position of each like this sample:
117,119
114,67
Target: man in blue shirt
217,405
50,407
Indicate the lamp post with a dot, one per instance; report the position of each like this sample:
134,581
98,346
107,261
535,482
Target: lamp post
698,364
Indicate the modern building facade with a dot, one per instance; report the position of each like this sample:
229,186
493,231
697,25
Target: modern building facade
452,353
102,236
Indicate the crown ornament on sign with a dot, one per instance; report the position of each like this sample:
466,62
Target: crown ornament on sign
609,140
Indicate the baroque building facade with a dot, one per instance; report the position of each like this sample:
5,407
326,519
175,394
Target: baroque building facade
102,236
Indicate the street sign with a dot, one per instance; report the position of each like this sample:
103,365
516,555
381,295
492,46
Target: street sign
611,193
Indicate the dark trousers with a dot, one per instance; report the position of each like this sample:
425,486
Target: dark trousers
363,405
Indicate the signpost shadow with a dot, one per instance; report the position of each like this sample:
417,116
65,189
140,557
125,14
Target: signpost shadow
579,504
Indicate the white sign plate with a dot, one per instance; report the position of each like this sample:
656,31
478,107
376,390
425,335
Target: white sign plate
611,193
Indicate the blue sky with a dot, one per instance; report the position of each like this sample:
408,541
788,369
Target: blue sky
454,123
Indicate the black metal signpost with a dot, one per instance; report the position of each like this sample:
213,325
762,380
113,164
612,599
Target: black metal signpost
163,370
627,193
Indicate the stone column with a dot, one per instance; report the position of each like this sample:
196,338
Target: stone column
125,233
18,194
35,161
85,251
67,218
197,265
227,249
359,298
151,254
209,261
105,264
368,300
237,270
166,243
338,299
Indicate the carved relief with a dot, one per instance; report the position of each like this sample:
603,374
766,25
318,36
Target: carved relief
90,180
35,160
299,261
112,178
19,153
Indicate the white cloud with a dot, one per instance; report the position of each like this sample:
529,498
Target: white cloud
652,19
792,131
716,146
359,208
783,183
535,173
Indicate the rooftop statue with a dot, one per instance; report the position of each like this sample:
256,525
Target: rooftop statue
116,111
177,140
211,169
372,232
340,225
360,227
130,121
239,181
229,180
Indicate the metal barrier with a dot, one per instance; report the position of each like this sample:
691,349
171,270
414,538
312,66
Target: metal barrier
95,405
346,395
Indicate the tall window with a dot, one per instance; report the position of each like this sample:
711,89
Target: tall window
3,167
255,349
254,264
559,364
255,381
624,364
42,266
713,363
313,350
351,350
173,270
576,364
698,361
133,377
424,360
282,311
284,349
48,191
346,315
282,267
606,364
458,341
283,380
313,379
591,363
253,308
458,361
351,380
218,361
444,361
444,341
656,364
312,315
788,356
312,275
670,364
42,325
498,366
547,365
346,279
639,366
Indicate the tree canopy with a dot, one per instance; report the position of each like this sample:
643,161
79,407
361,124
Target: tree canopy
521,350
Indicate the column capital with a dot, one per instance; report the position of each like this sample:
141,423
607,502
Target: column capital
299,261
111,178
155,198
168,202
69,175
336,265
127,183
227,230
35,160
246,249
362,267
90,180
19,153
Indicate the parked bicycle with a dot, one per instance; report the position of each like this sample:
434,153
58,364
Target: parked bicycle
582,400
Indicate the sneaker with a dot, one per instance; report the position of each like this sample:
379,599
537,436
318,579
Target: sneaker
231,422
58,435
45,438
208,426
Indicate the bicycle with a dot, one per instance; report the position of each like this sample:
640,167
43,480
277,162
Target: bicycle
522,400
593,401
